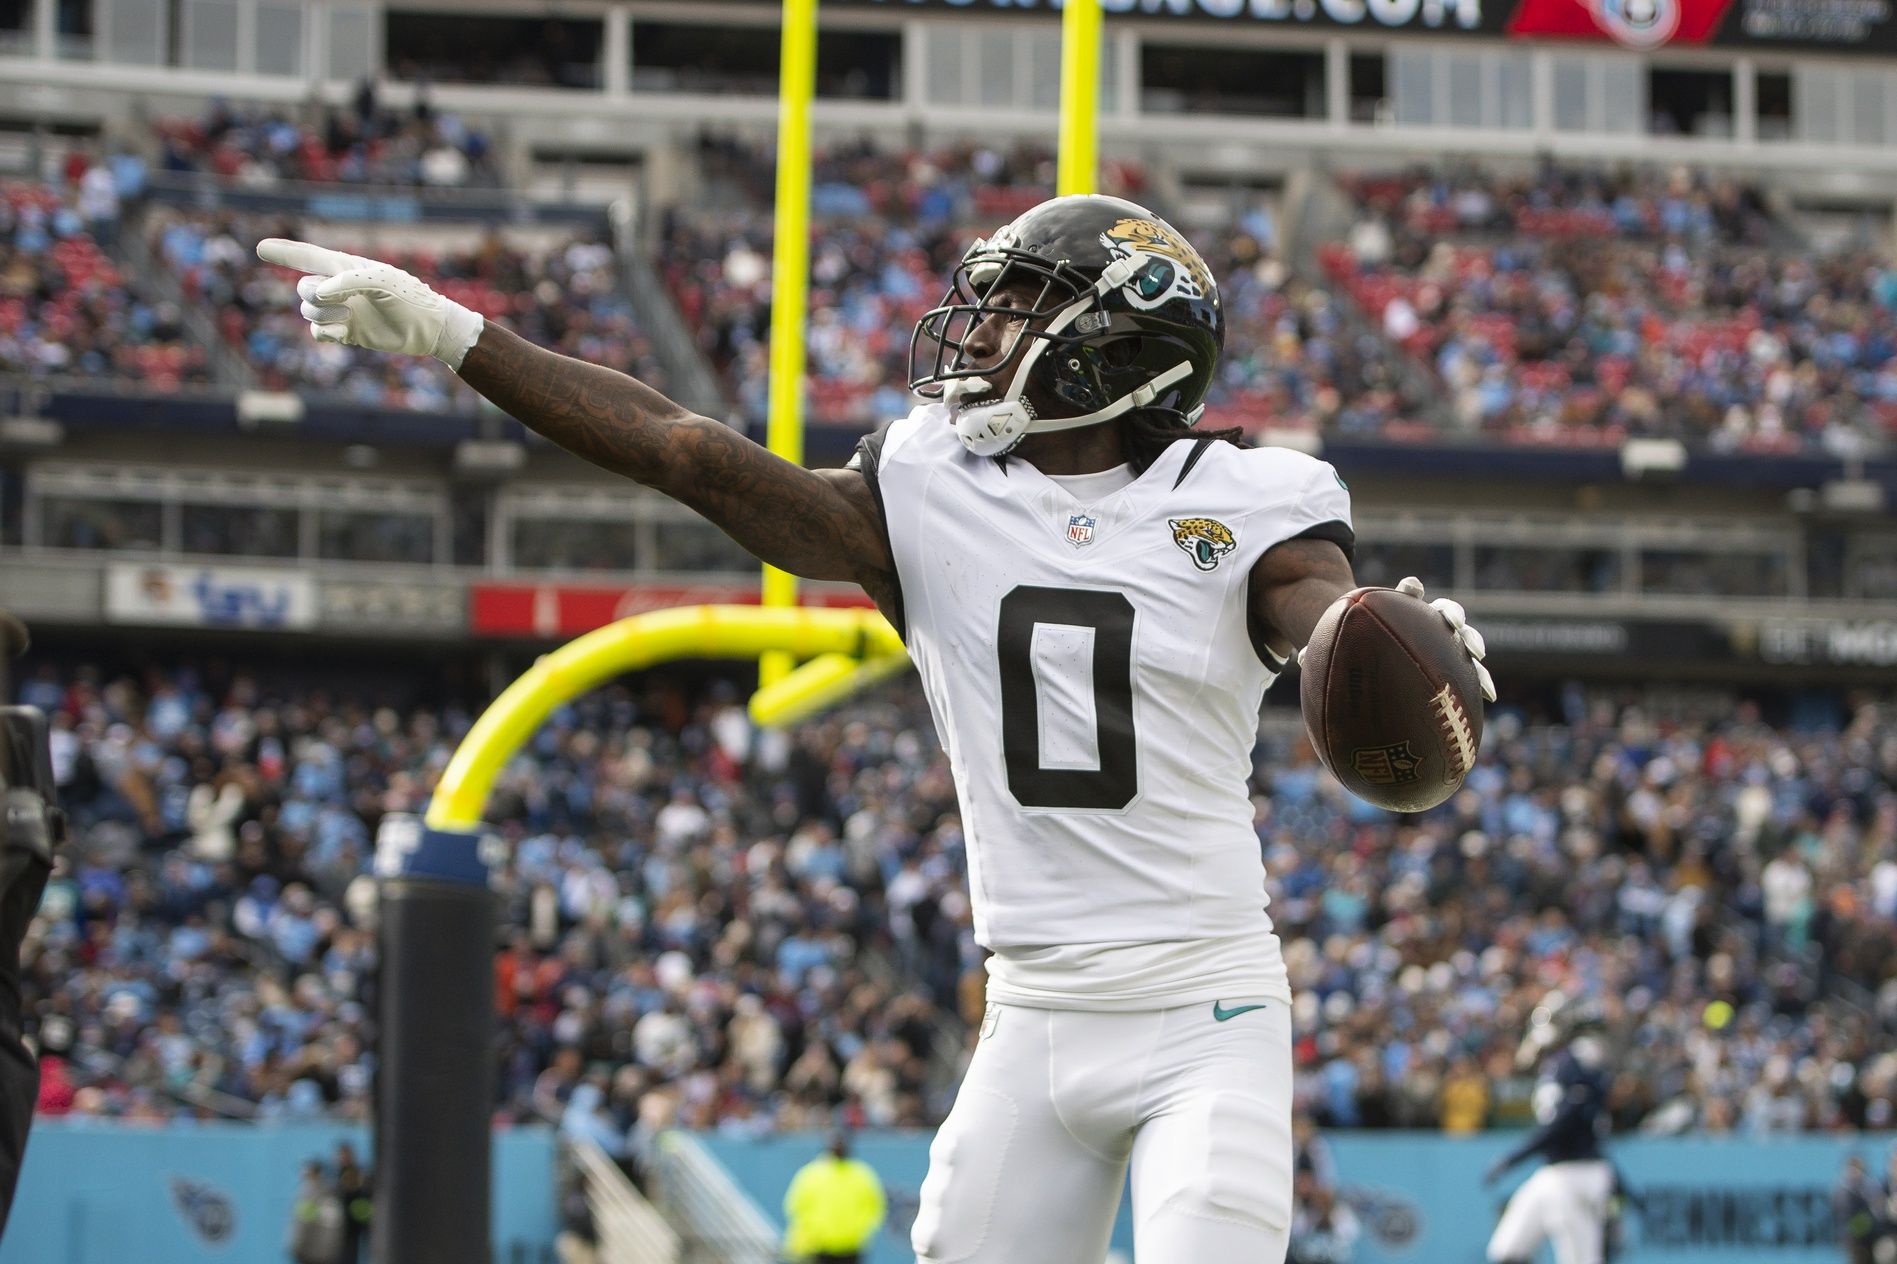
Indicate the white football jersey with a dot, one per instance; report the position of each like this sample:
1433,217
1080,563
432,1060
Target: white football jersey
1092,676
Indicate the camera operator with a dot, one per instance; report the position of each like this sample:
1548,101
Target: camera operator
31,825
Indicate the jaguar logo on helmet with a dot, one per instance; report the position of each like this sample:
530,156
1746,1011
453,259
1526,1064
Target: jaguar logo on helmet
1173,268
1637,23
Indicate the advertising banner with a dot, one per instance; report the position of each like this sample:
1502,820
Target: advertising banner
1641,25
1863,643
550,611
373,607
254,597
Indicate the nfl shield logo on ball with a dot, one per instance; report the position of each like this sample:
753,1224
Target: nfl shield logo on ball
1080,530
1387,765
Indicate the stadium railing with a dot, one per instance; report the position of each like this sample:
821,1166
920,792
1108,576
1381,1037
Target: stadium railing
628,1227
367,202
228,366
719,1224
696,385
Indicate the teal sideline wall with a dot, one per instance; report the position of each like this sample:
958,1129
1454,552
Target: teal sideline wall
98,1193
1421,1200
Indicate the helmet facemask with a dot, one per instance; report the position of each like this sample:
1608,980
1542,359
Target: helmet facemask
1056,346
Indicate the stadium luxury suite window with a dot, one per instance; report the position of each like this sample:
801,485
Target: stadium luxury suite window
1546,568
687,57
1384,564
459,48
1774,94
73,522
1272,83
370,536
1844,103
556,544
977,65
240,530
1369,87
686,546
1681,572
1689,102
16,27
1598,92
1468,88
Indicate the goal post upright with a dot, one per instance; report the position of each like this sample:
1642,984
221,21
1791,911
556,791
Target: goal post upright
1078,162
790,278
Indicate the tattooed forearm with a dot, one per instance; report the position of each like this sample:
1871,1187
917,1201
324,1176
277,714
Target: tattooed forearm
821,524
1291,587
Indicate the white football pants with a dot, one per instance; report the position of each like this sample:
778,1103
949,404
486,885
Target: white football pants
1563,1203
1029,1165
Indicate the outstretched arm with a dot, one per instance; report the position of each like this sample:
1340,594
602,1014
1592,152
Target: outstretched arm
821,524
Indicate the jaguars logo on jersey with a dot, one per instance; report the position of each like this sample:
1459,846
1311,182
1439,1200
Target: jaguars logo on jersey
1205,540
1172,268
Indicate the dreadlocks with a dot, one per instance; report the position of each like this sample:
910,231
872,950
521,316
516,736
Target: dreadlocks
1147,432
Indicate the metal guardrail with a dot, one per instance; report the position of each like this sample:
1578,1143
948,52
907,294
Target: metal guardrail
1318,211
717,1222
630,1229
388,203
137,258
694,383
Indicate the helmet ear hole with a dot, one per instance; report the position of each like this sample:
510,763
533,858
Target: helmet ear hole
1121,352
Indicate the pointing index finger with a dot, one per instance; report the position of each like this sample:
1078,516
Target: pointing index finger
303,256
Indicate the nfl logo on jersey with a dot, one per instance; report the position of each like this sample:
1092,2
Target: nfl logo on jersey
1080,530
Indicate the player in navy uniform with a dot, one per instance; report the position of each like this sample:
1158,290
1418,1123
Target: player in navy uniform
1569,1202
1096,595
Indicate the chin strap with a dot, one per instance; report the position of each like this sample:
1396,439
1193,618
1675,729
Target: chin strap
1138,398
993,429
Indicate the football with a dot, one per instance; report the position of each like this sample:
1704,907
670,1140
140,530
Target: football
1391,700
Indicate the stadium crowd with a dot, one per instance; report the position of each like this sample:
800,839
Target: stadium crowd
687,917
1570,305
257,146
70,310
1578,306
712,925
890,228
563,295
66,309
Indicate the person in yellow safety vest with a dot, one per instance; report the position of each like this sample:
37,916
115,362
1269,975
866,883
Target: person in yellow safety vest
833,1208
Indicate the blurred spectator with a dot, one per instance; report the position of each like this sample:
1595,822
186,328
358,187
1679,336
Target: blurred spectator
355,1189
833,1208
66,310
1854,1204
1323,1231
316,1219
258,145
1465,1098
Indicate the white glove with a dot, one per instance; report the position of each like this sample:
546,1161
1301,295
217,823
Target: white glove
1458,621
362,303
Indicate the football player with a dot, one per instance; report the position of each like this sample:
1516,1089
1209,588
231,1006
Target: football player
1096,595
1571,1201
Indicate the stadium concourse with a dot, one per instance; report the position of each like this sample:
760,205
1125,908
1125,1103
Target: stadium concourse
727,929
